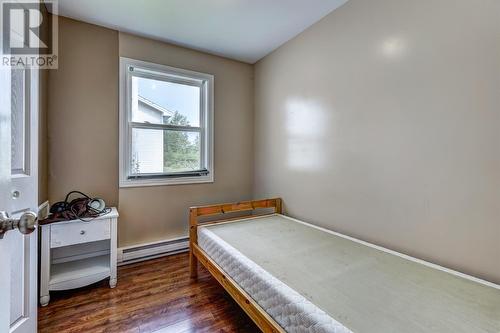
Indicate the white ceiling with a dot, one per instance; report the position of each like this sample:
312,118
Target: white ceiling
245,30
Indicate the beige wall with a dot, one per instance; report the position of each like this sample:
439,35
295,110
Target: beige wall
83,130
155,213
382,121
83,113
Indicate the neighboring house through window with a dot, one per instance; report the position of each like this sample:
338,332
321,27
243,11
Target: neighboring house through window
147,146
166,118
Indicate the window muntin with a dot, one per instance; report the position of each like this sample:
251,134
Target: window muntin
167,131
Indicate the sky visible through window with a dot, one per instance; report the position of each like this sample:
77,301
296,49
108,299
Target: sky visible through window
174,97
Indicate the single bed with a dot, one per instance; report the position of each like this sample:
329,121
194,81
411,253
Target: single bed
290,276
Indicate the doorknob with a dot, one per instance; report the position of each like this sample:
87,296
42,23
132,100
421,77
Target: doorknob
26,223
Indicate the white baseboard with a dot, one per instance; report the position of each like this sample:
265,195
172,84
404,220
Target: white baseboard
136,253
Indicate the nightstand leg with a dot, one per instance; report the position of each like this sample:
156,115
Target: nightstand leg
44,300
113,254
45,266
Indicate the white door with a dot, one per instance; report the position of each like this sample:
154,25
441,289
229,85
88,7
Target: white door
18,195
5,185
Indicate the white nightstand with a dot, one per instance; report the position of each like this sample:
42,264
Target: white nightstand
75,254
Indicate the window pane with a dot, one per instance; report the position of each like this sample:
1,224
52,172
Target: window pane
164,151
160,102
18,121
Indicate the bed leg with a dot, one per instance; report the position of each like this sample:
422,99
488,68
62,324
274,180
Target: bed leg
193,239
193,265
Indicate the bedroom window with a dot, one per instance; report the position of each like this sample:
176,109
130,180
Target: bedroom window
166,117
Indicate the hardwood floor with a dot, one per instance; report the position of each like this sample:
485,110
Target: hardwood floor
151,295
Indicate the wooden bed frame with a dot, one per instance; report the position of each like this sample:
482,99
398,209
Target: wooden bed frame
265,322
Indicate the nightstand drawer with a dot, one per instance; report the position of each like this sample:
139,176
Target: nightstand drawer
79,232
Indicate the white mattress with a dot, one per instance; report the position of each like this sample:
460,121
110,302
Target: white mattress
314,280
292,311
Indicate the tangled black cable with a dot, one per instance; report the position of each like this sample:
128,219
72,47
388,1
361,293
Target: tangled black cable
81,208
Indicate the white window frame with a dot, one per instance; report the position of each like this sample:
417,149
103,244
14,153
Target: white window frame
152,70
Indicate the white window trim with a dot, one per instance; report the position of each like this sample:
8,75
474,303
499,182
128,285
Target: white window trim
125,138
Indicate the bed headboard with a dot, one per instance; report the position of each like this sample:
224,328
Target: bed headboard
221,211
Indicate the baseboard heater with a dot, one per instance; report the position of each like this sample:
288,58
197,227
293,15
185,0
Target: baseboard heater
136,253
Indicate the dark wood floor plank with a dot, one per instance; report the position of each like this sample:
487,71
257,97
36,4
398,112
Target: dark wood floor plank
151,295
